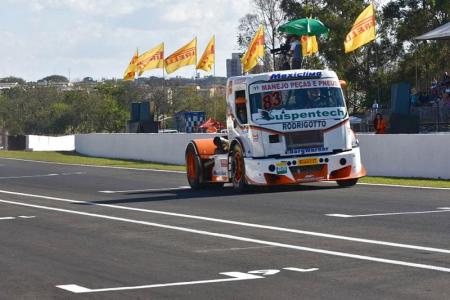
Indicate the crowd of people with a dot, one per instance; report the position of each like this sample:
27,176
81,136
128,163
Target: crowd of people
438,95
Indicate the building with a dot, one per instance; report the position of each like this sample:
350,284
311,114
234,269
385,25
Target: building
234,66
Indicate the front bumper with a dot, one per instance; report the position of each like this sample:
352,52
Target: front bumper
294,170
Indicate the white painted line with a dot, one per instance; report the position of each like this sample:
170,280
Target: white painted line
268,227
184,187
27,217
441,210
236,276
240,238
29,176
301,270
93,166
232,249
42,175
7,218
184,172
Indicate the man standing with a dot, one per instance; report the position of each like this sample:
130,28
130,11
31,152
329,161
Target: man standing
295,52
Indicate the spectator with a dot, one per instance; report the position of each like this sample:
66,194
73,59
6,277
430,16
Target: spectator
415,97
295,52
379,124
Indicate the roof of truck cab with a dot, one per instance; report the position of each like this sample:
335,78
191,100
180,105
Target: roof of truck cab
285,75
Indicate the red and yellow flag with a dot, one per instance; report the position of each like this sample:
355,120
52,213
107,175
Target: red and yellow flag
363,31
130,72
309,45
152,59
255,50
208,58
186,55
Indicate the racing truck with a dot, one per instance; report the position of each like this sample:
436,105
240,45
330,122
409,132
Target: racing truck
283,128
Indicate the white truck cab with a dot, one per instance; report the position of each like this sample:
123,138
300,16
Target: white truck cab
283,127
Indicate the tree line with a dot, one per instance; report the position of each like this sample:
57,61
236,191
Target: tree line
47,110
371,70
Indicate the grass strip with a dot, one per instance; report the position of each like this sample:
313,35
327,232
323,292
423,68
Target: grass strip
75,158
422,182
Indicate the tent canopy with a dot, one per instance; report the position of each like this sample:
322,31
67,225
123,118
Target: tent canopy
440,33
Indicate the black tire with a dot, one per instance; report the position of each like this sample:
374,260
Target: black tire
194,169
238,170
347,182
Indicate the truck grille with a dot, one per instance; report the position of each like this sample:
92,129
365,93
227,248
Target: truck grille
304,139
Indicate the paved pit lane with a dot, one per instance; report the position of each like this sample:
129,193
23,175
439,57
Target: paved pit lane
112,233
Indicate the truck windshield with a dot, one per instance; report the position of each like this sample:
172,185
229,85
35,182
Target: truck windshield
278,98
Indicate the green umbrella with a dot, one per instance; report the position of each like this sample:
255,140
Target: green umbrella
305,26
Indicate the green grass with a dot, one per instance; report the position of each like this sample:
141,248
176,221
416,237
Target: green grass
75,158
440,183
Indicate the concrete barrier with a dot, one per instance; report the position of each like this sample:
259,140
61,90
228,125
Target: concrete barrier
165,148
399,155
406,155
50,143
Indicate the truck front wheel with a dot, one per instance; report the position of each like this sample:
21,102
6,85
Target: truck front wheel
193,168
238,169
347,182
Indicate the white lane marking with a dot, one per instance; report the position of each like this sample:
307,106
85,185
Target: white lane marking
266,272
235,276
13,218
184,172
283,229
240,238
183,187
43,175
301,270
232,249
93,166
440,210
404,186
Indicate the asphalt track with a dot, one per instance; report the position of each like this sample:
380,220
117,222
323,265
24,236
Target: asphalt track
79,232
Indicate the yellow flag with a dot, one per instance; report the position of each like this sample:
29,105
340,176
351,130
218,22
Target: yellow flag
130,72
363,31
152,59
186,55
309,45
208,58
255,50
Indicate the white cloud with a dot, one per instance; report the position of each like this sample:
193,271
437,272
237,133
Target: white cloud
98,38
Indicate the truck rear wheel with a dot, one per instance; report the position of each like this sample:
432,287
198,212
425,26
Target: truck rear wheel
238,169
194,169
347,182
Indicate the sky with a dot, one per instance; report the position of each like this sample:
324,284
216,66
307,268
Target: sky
97,38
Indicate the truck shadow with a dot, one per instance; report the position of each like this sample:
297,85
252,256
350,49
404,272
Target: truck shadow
213,193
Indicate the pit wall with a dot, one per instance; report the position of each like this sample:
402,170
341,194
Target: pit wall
398,155
50,143
165,148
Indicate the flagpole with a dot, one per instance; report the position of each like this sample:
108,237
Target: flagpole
164,87
214,78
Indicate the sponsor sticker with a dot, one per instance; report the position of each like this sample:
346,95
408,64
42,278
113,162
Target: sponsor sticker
305,124
303,151
293,85
281,168
308,161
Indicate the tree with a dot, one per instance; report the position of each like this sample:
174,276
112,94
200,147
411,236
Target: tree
268,14
12,79
419,62
55,78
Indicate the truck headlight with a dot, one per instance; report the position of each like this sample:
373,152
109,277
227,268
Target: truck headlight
355,141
